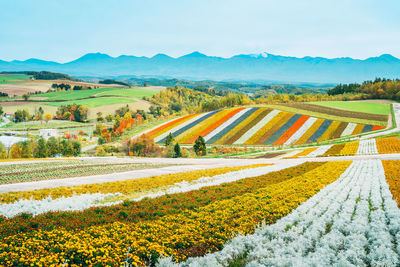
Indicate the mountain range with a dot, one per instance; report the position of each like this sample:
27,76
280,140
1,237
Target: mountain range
198,66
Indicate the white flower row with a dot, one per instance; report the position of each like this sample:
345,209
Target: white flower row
225,124
349,129
247,135
367,147
301,131
352,222
35,207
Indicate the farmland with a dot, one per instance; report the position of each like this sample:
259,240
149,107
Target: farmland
102,99
357,106
192,214
10,78
256,126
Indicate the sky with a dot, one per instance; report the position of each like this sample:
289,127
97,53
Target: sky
63,30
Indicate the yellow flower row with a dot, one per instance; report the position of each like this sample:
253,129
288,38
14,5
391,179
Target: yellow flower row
129,187
305,152
349,149
329,132
182,235
388,145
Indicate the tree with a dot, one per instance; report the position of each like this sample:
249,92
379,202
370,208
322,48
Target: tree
178,152
169,139
47,117
3,151
76,148
53,146
1,110
81,113
41,150
100,116
27,149
109,118
200,146
26,96
16,151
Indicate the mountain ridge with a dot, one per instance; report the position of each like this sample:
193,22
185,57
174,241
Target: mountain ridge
198,66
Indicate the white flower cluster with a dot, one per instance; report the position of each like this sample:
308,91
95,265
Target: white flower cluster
367,147
349,129
352,222
35,207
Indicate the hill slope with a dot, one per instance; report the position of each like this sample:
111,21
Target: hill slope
256,126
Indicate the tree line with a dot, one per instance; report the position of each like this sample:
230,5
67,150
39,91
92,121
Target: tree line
380,88
41,148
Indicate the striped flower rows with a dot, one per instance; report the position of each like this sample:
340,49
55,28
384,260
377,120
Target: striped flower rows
255,126
354,221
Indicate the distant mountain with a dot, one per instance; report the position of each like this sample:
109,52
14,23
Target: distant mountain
198,66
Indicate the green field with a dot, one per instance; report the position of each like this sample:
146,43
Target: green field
93,102
9,78
73,95
375,108
134,92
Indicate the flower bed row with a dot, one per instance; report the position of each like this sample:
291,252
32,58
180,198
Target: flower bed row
39,172
392,172
148,209
351,222
189,233
128,187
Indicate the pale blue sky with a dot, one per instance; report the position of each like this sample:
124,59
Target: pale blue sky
63,30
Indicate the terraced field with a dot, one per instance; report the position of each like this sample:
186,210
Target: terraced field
256,126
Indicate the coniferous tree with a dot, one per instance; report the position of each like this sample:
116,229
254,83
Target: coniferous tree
200,146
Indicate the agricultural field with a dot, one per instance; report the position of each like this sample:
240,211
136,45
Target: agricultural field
374,146
357,106
256,126
19,173
308,211
103,99
11,78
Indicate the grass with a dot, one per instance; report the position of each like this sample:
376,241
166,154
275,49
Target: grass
325,116
73,95
94,102
44,125
134,92
367,107
9,78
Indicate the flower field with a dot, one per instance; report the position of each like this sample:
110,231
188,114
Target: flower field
256,126
17,173
181,224
353,221
385,145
